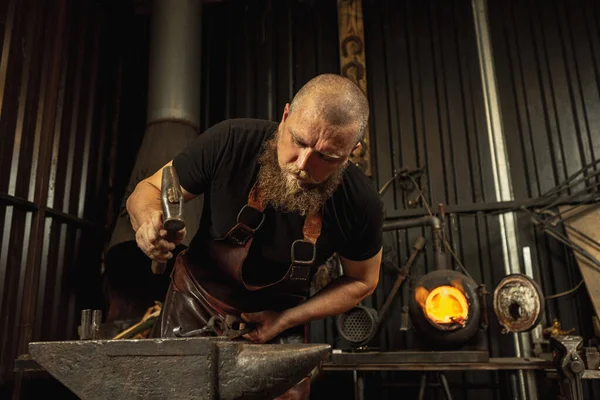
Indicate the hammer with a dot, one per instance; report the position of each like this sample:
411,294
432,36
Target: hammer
171,198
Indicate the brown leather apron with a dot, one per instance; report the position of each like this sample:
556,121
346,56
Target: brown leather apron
219,287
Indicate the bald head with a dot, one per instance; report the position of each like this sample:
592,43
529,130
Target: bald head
335,99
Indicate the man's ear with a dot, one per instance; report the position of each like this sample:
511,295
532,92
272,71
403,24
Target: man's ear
356,147
286,112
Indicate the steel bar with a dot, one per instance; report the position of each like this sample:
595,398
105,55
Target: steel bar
27,205
409,357
474,208
494,364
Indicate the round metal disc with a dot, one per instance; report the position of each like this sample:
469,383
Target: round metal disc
518,303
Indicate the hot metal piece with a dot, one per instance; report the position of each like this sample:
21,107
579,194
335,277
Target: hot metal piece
518,303
188,368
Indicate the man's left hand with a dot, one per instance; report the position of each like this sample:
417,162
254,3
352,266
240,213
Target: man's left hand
268,325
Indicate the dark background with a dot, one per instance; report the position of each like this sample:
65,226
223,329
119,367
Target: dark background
73,83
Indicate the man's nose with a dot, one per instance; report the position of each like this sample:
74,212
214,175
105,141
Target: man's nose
303,158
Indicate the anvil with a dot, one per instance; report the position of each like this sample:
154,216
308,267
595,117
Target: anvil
182,368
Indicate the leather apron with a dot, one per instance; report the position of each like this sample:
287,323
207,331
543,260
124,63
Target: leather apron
218,286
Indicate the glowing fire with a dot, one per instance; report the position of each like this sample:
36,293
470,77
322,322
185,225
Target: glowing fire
444,304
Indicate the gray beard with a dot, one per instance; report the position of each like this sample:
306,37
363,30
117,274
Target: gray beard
281,193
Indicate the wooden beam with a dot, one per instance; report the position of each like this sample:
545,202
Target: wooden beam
353,66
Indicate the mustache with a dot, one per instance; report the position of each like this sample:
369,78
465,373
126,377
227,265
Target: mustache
302,174
282,193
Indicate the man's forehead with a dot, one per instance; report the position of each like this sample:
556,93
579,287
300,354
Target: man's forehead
329,140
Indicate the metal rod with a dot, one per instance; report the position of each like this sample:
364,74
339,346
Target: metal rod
95,325
404,271
475,208
441,261
85,326
558,188
445,386
423,386
561,238
573,196
432,221
27,205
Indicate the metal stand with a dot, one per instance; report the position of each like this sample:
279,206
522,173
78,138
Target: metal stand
443,383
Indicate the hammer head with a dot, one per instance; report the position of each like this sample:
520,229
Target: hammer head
172,200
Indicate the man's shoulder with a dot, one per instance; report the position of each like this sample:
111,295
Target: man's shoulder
244,127
358,187
237,135
356,192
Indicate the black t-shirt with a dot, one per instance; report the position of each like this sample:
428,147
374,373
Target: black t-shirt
223,164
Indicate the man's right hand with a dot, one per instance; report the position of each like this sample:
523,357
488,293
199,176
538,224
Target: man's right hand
150,238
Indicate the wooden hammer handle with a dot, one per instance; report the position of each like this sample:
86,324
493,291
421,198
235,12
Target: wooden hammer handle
158,268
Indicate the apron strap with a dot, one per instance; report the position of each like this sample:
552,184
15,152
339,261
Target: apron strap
312,226
255,200
312,223
303,251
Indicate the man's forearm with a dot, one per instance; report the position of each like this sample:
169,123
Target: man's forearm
144,200
339,296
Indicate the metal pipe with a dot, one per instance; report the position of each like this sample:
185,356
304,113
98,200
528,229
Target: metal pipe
432,221
500,165
441,261
173,106
174,65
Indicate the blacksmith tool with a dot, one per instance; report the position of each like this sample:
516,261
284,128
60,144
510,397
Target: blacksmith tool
171,198
208,330
569,364
230,327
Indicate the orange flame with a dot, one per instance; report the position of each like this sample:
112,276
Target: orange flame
421,296
444,304
458,284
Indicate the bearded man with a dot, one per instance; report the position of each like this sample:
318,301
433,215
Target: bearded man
279,200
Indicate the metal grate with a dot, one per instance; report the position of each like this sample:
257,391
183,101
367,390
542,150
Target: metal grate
356,325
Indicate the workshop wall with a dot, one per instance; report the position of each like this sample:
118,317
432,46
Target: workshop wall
59,91
73,99
547,56
547,64
428,112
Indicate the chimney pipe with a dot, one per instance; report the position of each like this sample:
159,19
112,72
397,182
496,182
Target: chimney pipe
172,123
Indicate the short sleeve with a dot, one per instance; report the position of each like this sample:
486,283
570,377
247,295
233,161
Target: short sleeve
197,164
366,237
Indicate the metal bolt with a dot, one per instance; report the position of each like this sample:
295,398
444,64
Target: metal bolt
577,367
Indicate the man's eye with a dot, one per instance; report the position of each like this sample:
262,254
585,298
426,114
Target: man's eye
328,159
